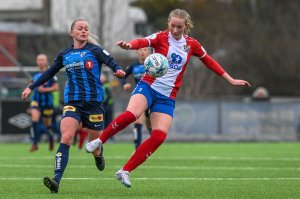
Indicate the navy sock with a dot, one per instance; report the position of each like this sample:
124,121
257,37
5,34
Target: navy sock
61,161
50,134
36,132
137,135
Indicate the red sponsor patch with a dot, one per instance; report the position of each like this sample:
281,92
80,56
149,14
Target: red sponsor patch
89,64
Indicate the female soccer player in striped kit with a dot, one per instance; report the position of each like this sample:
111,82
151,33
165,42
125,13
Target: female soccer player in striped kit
42,107
83,94
159,93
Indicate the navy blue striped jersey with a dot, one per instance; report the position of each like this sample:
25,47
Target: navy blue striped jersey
44,99
83,68
137,70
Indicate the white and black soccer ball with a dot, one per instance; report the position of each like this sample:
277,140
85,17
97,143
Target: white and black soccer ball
156,65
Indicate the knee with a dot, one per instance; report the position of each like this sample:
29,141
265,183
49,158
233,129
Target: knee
66,137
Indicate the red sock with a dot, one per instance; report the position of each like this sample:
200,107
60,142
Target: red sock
118,124
82,136
145,150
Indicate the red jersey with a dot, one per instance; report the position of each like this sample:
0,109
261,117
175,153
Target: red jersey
178,53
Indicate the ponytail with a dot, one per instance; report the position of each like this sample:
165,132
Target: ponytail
93,39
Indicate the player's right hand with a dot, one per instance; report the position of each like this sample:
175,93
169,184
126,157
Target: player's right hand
26,93
124,45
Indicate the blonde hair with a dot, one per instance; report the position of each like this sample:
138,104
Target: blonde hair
75,21
93,39
182,14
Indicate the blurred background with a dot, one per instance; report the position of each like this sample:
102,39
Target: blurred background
253,40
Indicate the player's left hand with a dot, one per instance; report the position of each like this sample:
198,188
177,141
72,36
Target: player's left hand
120,74
235,82
26,93
240,82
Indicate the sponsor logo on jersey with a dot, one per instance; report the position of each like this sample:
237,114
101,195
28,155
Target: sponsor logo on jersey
176,58
74,66
175,63
89,64
96,118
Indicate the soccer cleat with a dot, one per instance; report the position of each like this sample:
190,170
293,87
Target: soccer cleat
93,145
51,184
33,148
100,162
123,177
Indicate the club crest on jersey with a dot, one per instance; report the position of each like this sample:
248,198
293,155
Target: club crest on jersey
82,54
186,48
89,64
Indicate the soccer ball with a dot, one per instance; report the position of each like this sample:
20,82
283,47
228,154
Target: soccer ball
156,65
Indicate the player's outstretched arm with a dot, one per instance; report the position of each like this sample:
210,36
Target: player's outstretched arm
235,82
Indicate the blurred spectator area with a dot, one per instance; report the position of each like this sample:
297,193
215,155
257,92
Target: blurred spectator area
8,43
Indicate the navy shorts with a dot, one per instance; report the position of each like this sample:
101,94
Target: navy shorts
157,102
89,113
46,111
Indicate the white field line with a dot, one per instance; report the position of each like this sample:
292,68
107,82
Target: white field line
164,158
36,166
158,179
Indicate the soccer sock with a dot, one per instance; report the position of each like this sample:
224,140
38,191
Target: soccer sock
50,134
82,136
137,133
145,150
61,161
36,132
118,124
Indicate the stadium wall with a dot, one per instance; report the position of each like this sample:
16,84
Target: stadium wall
211,120
215,120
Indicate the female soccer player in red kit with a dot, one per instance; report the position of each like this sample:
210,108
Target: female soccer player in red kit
159,94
